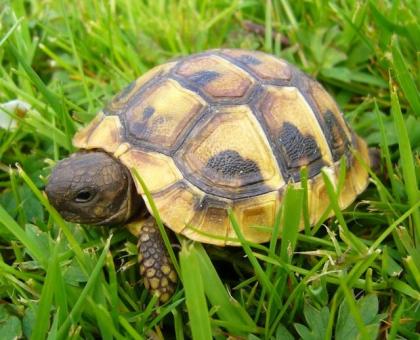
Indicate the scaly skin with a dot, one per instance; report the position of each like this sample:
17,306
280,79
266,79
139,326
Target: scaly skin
155,265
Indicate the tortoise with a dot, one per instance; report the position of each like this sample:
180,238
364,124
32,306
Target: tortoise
226,129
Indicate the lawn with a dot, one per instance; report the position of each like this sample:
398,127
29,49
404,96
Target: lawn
356,275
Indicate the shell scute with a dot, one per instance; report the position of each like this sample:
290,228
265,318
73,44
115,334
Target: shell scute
103,132
297,135
123,98
177,205
216,77
337,130
256,217
155,119
265,66
230,153
157,170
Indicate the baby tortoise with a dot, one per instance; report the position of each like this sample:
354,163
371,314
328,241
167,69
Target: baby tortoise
224,129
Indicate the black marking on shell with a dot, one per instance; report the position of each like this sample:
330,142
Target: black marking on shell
229,164
245,67
297,146
300,150
134,100
339,141
202,78
254,105
248,59
350,158
140,128
148,112
301,81
254,186
189,85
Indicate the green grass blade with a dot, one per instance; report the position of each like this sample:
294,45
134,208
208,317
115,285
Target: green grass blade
195,299
268,45
300,287
158,221
293,200
411,265
406,289
49,96
353,309
74,314
113,289
9,223
228,309
396,320
178,325
404,77
393,226
105,322
61,298
58,219
52,334
355,243
45,301
386,152
261,275
407,162
130,330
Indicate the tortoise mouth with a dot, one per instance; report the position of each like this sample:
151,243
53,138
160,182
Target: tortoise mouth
128,208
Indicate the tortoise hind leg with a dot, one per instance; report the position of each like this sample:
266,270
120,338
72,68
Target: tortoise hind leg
155,265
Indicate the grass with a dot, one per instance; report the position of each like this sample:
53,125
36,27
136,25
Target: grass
356,275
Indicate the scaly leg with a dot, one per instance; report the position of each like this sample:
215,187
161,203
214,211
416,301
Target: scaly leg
155,264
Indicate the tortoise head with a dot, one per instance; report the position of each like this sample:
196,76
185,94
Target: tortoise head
93,188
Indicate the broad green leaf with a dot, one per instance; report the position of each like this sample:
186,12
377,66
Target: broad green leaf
317,322
283,334
73,274
346,327
10,325
38,237
29,319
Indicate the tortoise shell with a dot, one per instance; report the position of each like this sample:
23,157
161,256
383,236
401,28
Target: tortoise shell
228,129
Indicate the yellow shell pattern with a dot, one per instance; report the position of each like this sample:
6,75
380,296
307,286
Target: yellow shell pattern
228,129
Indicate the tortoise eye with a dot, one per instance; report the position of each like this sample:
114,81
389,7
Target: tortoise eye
84,196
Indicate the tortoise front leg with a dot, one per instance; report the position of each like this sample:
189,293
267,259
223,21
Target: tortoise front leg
155,264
